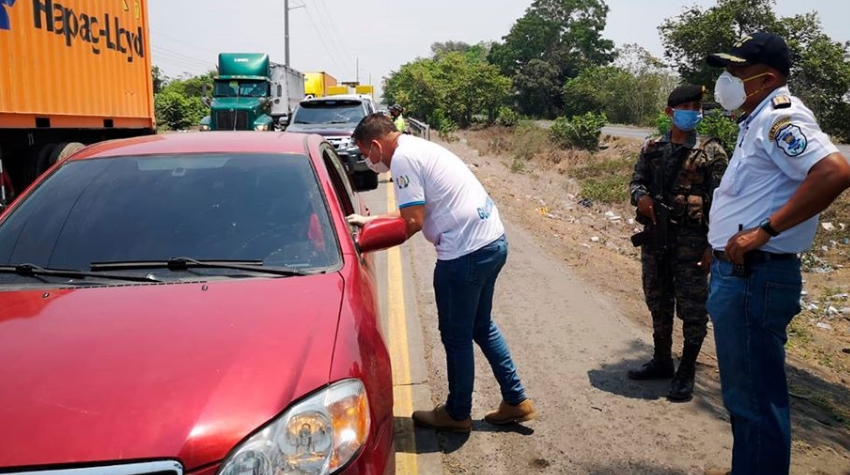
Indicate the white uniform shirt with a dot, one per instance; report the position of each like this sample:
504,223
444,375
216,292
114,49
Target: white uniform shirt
777,146
460,217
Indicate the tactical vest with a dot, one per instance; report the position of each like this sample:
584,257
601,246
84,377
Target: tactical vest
687,205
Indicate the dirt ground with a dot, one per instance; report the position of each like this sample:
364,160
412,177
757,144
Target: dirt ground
540,195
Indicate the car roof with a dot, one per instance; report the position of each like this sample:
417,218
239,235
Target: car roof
338,97
199,142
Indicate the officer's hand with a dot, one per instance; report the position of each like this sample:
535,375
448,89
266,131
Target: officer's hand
707,258
646,207
358,220
744,242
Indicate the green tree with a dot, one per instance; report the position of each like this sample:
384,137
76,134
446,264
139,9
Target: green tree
820,75
159,79
454,87
172,110
178,105
538,85
565,34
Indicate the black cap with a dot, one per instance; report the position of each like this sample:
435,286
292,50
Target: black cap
684,94
758,48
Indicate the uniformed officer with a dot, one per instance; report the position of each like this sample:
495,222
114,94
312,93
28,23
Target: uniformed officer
783,173
677,172
396,112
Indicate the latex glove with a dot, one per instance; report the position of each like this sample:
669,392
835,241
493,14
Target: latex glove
358,220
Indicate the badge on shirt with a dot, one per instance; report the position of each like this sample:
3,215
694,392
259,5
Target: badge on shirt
403,182
789,137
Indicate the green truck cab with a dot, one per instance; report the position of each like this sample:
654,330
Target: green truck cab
241,94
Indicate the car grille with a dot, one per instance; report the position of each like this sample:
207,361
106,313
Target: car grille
164,467
225,120
336,141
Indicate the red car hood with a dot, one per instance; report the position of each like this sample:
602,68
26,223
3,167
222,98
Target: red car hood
152,371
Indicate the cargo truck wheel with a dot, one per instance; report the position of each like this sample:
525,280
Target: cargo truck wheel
63,151
41,162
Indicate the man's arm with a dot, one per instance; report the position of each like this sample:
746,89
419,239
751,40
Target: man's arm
413,217
826,180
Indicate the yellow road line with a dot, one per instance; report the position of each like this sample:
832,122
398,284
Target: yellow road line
403,395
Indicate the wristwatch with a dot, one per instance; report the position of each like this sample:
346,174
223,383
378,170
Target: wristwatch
765,225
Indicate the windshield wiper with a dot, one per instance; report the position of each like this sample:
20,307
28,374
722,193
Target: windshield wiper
185,263
32,270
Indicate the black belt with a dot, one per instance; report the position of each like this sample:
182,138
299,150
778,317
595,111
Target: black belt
757,256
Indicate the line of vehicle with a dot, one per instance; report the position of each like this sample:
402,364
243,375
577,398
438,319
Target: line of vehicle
406,461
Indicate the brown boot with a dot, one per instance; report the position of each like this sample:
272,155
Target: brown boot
507,413
717,471
439,419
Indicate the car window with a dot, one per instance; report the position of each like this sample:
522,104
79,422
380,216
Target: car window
329,112
345,193
216,207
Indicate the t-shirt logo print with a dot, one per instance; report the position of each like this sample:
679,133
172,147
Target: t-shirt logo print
403,182
5,24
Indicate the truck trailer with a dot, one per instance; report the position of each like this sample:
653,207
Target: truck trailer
71,73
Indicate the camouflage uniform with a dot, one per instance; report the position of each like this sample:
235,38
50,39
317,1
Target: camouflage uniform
682,285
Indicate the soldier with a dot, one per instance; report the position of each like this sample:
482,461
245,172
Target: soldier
672,186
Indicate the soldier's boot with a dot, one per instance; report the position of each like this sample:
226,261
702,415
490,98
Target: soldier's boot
682,386
660,366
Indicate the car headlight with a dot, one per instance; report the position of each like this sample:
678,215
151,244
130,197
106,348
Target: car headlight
204,127
261,128
316,436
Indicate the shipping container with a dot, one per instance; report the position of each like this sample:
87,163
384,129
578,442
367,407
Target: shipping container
71,72
318,83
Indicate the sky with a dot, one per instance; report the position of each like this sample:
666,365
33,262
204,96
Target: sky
366,40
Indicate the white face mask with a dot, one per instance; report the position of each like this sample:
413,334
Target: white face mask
379,167
729,91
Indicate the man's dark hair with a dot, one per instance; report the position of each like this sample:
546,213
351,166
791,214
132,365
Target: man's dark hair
373,126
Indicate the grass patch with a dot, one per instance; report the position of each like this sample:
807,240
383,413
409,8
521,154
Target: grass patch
610,189
518,165
799,334
614,167
837,412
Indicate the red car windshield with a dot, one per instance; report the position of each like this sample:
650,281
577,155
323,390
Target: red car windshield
255,207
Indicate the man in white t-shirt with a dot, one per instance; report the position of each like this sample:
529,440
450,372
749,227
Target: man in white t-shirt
439,195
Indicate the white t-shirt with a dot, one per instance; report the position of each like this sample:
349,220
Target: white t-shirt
460,217
777,146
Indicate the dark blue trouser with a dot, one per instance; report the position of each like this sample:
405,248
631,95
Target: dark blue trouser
750,316
464,292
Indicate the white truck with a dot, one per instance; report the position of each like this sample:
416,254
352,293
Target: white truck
287,91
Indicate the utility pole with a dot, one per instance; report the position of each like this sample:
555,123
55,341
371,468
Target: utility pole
286,28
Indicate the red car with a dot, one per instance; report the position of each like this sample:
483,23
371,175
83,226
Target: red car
193,304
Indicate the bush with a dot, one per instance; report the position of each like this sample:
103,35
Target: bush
716,125
508,117
664,123
581,132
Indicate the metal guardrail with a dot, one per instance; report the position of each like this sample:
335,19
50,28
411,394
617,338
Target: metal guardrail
420,129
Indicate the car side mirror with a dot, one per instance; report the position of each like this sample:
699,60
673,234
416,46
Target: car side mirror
382,233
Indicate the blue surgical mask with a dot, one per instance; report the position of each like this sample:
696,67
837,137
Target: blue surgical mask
686,120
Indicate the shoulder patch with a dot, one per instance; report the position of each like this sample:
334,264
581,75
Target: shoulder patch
791,139
781,102
779,125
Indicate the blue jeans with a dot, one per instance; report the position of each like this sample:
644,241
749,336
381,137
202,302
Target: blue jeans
750,316
464,291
